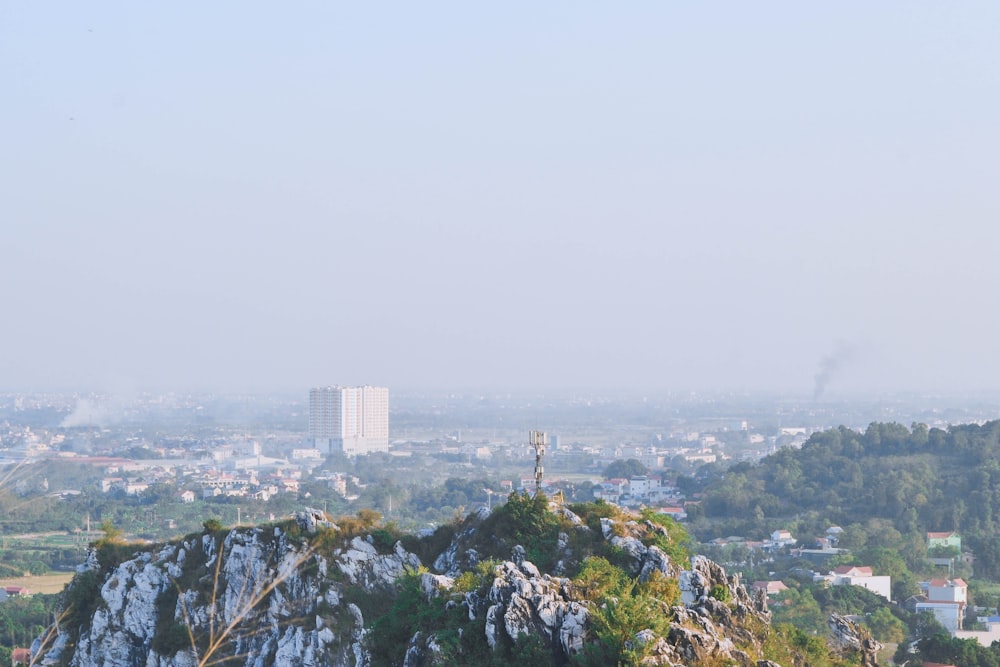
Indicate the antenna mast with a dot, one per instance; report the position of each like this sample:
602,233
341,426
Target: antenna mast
538,440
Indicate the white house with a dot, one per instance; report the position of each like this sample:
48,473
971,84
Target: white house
946,599
781,537
944,590
639,486
853,575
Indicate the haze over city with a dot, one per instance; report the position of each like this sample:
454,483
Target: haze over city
658,196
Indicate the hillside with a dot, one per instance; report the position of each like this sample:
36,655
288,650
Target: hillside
528,584
887,486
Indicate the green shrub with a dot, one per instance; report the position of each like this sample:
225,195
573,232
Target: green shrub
721,593
676,543
620,608
80,600
212,525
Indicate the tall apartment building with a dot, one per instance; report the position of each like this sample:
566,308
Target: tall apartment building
352,420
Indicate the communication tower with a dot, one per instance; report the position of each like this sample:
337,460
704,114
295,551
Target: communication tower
538,440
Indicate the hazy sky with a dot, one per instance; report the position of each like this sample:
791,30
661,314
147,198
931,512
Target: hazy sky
652,195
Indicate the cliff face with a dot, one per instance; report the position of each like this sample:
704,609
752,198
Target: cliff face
253,593
294,595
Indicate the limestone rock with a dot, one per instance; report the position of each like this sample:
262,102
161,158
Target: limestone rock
523,601
853,638
248,599
361,564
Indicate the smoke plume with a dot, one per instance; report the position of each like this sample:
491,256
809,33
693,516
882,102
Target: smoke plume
830,365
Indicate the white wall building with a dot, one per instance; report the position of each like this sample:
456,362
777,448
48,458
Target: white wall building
352,420
853,575
946,599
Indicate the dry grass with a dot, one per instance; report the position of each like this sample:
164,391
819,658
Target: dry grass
43,583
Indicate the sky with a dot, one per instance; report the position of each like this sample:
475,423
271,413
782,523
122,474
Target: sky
649,196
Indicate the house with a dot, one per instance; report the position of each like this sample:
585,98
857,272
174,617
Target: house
265,492
16,591
640,486
953,590
677,513
946,599
951,539
609,491
769,587
853,571
20,656
854,575
110,483
135,487
782,537
778,540
949,614
186,496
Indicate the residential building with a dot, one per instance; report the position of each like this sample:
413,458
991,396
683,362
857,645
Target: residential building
352,420
946,599
769,587
949,539
854,575
677,513
782,537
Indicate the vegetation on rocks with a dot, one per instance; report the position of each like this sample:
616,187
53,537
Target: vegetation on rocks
530,583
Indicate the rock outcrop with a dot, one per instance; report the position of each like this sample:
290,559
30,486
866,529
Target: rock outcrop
274,595
645,559
522,601
256,593
362,565
854,639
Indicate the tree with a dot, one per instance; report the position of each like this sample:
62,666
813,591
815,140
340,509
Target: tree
886,627
626,469
801,610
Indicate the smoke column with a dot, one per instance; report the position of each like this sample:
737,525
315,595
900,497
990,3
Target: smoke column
830,365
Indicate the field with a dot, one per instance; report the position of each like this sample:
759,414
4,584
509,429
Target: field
45,583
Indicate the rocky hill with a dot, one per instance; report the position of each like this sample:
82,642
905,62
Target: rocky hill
527,584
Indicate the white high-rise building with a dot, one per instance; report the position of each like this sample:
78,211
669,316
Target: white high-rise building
352,420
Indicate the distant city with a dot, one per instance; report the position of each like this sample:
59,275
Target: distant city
261,448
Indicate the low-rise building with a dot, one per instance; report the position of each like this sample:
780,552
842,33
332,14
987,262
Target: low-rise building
946,599
947,539
854,575
770,588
